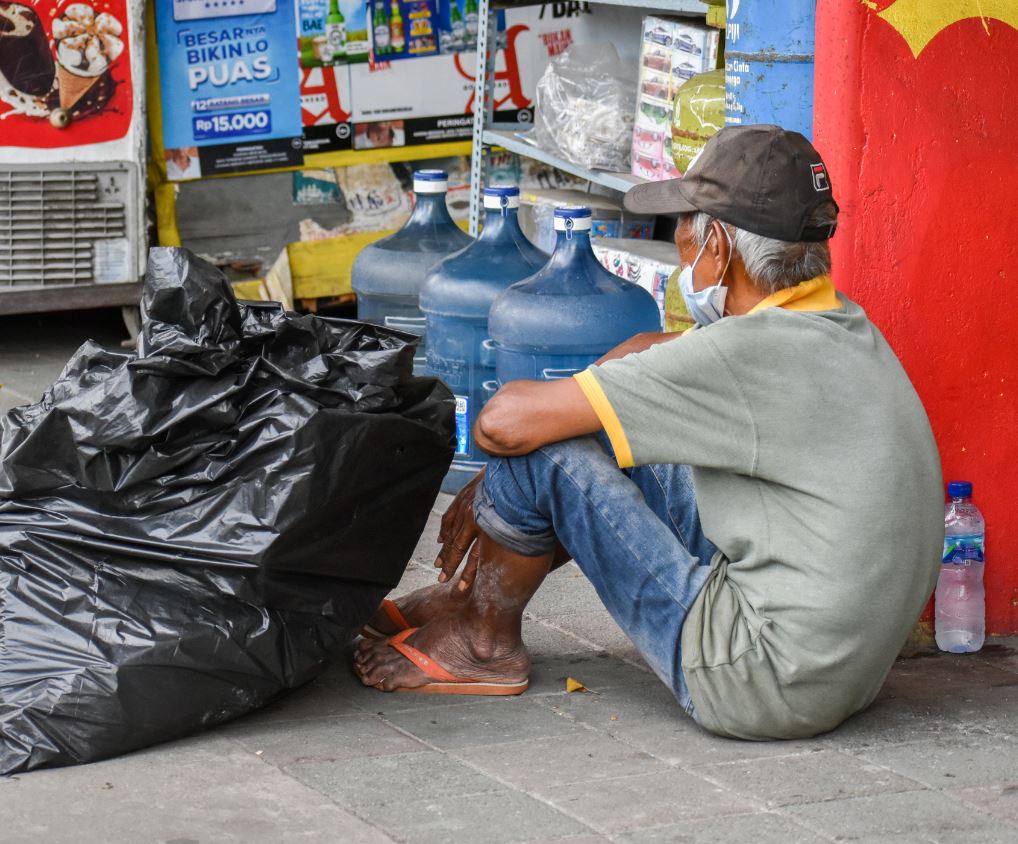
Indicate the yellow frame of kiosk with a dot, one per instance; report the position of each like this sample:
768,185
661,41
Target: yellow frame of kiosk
319,269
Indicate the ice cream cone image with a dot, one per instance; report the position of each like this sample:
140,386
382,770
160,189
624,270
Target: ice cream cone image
72,87
86,45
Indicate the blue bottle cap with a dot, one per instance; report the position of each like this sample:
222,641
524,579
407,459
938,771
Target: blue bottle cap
575,212
431,181
501,190
960,489
570,218
501,198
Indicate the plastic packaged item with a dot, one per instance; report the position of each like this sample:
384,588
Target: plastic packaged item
585,102
387,275
699,115
188,532
672,52
568,314
961,598
455,299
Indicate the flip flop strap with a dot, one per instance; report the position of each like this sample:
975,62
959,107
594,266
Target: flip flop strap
425,663
395,616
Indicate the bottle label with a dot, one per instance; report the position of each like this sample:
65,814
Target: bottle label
462,425
963,550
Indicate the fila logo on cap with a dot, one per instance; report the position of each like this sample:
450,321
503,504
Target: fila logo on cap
820,181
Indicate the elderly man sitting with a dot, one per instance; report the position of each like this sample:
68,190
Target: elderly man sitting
757,501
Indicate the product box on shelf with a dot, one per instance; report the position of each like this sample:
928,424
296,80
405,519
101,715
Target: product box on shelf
672,51
332,32
403,30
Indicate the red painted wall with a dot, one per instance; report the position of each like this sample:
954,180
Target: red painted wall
923,154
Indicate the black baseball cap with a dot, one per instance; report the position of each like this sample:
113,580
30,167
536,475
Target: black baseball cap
760,178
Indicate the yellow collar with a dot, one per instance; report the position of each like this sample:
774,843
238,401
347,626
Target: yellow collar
817,294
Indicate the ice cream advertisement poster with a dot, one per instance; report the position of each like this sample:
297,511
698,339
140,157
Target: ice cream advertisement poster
230,83
65,73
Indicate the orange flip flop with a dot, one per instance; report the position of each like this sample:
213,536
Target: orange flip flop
446,683
395,616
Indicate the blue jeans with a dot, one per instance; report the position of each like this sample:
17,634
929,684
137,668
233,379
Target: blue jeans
635,534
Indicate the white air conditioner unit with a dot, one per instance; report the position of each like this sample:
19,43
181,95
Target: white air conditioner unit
72,154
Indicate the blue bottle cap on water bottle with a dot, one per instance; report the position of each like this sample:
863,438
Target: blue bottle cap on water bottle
960,489
501,197
569,218
431,181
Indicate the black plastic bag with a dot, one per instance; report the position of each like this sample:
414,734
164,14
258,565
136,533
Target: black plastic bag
188,532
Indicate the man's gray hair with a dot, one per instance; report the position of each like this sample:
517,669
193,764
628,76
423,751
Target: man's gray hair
773,264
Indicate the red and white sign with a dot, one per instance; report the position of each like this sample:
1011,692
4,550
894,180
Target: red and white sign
66,76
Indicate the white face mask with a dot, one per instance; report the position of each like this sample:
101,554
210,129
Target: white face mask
707,305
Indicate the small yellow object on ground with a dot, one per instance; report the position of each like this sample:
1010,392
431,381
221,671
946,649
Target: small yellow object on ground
576,686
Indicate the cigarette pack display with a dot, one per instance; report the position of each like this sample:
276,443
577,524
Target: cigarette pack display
672,51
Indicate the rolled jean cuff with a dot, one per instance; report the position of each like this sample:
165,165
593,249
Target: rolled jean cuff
505,534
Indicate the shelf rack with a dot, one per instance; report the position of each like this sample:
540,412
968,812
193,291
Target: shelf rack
487,134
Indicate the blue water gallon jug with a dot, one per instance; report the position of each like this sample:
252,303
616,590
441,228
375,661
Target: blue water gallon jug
562,319
455,300
387,275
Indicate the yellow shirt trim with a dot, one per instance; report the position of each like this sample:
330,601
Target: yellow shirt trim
817,294
609,420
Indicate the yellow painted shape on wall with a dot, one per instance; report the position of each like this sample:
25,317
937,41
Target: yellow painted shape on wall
920,21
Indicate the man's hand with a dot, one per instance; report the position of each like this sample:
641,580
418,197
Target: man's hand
459,536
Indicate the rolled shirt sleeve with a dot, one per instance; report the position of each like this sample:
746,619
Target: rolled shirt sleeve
676,402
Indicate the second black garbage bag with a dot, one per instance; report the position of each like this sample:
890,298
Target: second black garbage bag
188,532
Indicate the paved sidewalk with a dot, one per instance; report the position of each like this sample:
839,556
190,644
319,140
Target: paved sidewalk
932,761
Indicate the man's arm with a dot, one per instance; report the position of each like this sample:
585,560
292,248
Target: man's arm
523,416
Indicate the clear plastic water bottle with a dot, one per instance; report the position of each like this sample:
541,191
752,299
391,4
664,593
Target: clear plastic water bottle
961,600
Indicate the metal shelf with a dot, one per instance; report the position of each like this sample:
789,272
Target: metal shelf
509,141
486,134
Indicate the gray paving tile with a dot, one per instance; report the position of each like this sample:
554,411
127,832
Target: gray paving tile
494,818
545,642
598,627
920,813
943,677
806,778
489,721
322,739
759,827
592,838
892,721
597,670
385,779
565,591
202,789
998,800
650,800
540,764
648,718
952,761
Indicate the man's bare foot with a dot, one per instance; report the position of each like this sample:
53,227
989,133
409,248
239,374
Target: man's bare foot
423,606
453,645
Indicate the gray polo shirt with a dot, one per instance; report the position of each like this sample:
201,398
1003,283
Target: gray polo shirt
817,477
